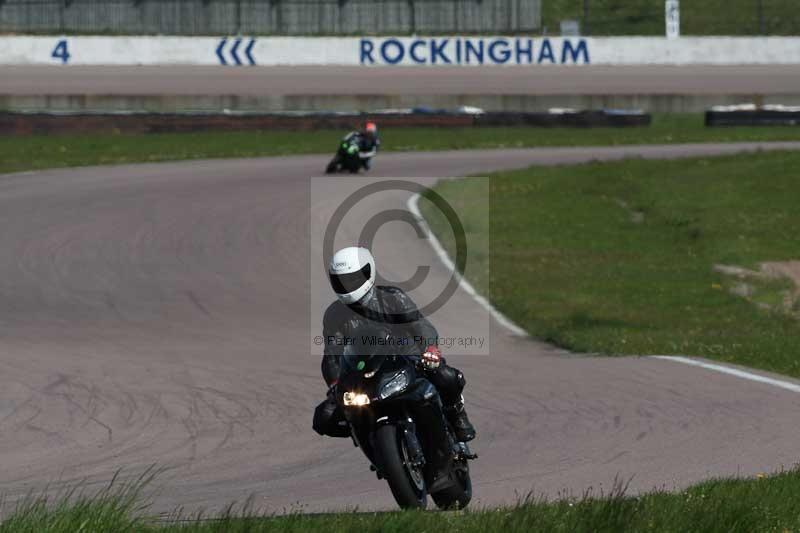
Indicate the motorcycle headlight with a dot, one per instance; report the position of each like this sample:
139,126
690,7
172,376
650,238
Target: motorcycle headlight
397,384
355,399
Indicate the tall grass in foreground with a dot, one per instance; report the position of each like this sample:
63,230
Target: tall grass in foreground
751,505
118,507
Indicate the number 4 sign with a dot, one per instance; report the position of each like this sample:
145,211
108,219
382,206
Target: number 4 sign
61,52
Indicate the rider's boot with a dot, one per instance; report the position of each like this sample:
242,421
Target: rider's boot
457,416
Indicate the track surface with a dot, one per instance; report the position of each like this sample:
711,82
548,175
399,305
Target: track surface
607,80
159,314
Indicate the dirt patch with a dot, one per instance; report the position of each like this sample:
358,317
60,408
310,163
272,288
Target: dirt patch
758,285
786,269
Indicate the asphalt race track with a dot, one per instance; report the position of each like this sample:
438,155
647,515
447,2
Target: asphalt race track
158,314
316,80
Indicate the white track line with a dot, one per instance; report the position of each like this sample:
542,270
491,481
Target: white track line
413,206
787,385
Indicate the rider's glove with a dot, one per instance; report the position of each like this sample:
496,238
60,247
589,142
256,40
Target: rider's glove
432,357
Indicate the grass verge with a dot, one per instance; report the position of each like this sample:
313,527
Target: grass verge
754,505
618,258
38,152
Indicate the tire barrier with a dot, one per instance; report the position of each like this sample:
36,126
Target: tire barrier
19,123
567,118
751,115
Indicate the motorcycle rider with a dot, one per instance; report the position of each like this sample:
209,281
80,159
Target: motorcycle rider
360,303
368,143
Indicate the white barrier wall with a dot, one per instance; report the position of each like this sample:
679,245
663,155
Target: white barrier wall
400,51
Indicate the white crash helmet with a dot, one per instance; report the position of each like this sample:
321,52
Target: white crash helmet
352,273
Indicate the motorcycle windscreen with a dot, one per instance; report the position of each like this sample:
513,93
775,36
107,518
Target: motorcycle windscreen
369,346
359,358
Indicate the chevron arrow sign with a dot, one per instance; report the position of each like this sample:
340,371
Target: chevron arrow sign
239,51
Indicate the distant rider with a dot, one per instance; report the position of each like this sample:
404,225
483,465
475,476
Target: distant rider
360,303
368,143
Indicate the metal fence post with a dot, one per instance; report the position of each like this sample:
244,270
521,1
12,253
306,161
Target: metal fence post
762,30
64,6
277,13
61,7
586,17
412,17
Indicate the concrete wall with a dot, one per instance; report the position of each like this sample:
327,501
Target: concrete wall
433,51
282,17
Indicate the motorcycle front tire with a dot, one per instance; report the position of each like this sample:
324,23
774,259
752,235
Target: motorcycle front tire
388,447
333,166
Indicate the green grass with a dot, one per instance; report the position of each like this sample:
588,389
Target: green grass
749,506
698,17
38,152
119,507
617,258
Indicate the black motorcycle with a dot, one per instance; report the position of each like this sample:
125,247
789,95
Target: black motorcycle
396,418
346,158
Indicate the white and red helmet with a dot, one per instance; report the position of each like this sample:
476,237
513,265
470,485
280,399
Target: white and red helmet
352,273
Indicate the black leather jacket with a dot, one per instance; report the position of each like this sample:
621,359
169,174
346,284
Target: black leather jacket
388,311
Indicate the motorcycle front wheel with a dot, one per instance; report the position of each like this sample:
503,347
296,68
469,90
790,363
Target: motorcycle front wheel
333,166
405,480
